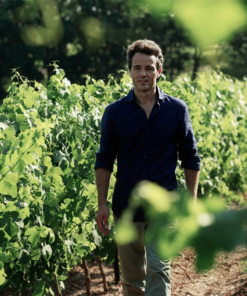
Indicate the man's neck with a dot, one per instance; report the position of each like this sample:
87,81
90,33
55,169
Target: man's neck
145,98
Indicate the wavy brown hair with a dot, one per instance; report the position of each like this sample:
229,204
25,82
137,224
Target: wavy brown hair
145,46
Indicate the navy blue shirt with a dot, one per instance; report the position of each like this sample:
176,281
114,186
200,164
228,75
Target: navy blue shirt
146,149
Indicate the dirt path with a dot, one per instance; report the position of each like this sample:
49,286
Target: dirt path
227,278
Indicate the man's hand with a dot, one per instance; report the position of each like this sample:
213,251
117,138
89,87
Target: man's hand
102,180
102,220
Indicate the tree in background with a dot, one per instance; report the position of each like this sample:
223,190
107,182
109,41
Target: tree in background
92,38
234,56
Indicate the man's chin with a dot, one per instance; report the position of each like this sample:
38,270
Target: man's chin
144,88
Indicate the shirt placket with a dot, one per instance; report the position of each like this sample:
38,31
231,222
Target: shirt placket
145,152
146,144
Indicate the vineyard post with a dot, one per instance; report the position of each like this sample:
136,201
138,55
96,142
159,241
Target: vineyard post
116,268
106,288
57,290
87,277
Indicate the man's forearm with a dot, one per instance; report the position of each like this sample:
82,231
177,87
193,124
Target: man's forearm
103,177
192,180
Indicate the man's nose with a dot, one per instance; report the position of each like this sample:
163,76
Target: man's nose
143,73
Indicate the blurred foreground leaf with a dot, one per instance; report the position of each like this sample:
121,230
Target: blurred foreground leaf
210,21
93,31
207,226
206,21
51,33
125,232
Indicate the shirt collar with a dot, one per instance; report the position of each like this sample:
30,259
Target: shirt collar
161,95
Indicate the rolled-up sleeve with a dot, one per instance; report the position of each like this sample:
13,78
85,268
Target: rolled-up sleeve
187,150
106,155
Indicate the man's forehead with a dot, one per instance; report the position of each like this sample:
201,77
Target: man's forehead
141,58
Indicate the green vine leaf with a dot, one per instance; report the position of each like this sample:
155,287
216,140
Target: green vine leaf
8,184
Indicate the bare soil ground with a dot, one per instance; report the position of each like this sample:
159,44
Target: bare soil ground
225,279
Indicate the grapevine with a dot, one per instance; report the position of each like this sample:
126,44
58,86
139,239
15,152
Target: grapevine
48,140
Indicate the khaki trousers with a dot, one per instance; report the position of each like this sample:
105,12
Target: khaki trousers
142,270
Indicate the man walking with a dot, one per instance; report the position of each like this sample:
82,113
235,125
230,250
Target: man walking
145,130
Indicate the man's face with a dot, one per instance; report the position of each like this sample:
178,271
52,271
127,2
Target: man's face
144,71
